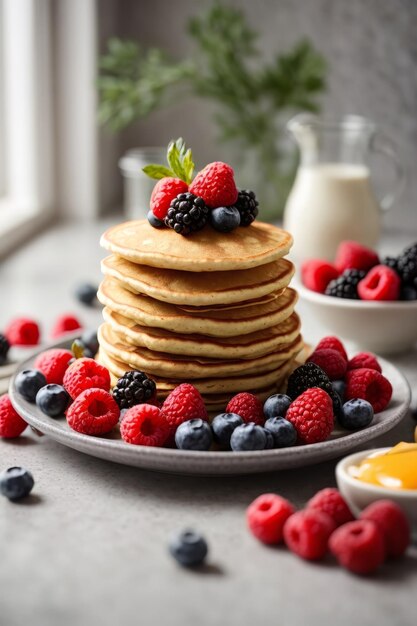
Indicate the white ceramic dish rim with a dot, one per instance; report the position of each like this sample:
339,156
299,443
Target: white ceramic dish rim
354,459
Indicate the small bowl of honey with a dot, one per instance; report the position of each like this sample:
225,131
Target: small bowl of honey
382,473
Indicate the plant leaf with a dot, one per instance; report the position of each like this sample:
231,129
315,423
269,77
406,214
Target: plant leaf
188,166
174,160
157,171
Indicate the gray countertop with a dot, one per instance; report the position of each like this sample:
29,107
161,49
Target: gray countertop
89,546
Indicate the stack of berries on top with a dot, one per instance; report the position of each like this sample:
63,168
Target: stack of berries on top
187,204
358,274
360,545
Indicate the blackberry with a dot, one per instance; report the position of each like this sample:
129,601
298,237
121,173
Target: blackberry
4,348
407,264
187,214
311,375
346,285
391,261
134,387
247,205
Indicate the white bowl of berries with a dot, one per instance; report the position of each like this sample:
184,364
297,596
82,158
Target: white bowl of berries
365,300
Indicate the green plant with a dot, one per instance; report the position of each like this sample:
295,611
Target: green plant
253,97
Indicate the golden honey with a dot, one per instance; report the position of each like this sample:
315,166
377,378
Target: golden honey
395,469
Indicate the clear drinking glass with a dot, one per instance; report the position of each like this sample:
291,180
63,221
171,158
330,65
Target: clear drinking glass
137,187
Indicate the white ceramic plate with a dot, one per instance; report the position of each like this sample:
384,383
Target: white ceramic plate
112,448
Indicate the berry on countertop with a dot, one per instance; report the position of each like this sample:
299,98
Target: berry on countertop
369,385
339,387
93,412
346,286
223,425
380,283
224,218
307,532
16,483
316,274
266,517
358,546
215,184
330,361
134,387
187,214
53,400
182,404
247,206
311,375
86,293
407,264
352,255
28,383
144,425
356,413
154,221
84,374
164,193
333,343
4,348
283,432
364,359
194,434
392,522
22,331
188,548
276,405
53,364
65,324
330,501
248,406
248,437
11,424
312,416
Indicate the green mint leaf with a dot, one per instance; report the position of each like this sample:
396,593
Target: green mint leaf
174,161
157,171
188,166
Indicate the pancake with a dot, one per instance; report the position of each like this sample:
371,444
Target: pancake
204,251
154,313
243,346
199,288
187,368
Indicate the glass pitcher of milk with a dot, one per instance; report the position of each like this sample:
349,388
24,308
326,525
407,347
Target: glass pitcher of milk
332,198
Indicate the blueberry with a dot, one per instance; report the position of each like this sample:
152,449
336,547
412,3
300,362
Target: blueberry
28,383
52,400
339,386
270,443
16,483
408,293
194,435
356,413
276,405
248,437
189,548
86,293
282,430
154,221
90,341
225,218
223,425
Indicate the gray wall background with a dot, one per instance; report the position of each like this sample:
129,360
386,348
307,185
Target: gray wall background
370,46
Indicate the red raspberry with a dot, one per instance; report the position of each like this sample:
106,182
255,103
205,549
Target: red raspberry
316,274
266,517
306,533
331,362
248,406
358,546
364,359
11,424
352,255
145,425
312,415
93,412
163,193
381,283
53,364
216,185
65,324
84,374
393,524
22,331
330,501
369,385
333,343
184,403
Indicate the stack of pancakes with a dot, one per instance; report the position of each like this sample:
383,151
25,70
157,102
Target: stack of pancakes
214,309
